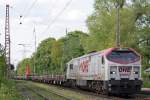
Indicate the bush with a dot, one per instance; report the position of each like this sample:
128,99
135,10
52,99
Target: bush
146,84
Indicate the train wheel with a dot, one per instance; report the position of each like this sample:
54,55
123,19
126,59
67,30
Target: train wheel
98,88
104,91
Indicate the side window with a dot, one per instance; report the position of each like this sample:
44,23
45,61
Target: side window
103,60
71,66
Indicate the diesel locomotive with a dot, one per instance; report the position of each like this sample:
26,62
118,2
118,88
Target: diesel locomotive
114,70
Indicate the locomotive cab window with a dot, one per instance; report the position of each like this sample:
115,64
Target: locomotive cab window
71,66
126,56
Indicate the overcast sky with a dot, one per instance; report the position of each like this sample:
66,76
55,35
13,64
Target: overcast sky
50,18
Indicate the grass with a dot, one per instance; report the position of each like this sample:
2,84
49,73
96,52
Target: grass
8,91
146,80
146,83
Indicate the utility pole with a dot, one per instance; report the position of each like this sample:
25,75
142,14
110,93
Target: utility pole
64,49
7,42
117,24
66,31
34,32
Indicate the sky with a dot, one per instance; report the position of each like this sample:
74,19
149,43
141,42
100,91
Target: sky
49,18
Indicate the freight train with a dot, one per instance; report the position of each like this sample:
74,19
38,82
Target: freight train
114,70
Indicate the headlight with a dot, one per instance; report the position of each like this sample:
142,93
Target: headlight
112,72
135,72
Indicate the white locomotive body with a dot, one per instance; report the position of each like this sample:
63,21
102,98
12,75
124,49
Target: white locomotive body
115,70
88,67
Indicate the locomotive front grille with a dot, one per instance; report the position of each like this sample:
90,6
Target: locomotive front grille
124,85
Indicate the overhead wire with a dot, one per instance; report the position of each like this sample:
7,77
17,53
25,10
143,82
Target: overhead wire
51,9
28,11
53,5
31,7
57,16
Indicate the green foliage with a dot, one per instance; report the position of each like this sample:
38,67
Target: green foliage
52,55
2,68
56,55
144,45
73,46
146,84
7,87
8,91
43,56
2,65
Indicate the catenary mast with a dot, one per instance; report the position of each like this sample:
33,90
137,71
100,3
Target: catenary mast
7,42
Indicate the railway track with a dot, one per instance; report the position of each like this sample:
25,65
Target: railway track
47,91
33,92
140,96
37,93
27,93
50,92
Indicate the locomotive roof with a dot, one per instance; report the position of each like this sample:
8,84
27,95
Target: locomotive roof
91,54
103,51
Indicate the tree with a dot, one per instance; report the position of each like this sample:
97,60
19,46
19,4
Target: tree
43,56
52,55
142,16
56,55
2,65
134,22
73,45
